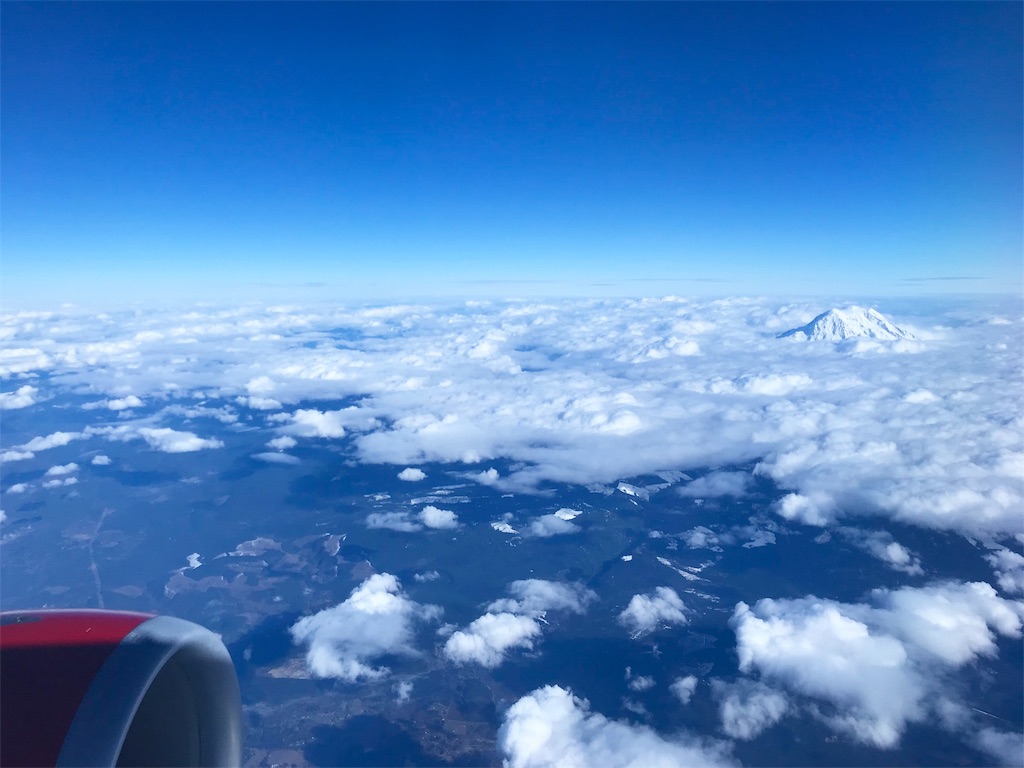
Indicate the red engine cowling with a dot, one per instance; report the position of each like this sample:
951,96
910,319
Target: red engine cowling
106,688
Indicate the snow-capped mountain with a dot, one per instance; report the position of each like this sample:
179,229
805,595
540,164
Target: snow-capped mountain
849,323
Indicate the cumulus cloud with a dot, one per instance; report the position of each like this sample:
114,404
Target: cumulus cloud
402,691
550,727
376,620
645,613
62,469
683,688
100,460
172,441
880,664
406,522
54,440
18,488
22,397
411,474
432,517
1009,569
427,576
551,525
282,443
748,708
514,622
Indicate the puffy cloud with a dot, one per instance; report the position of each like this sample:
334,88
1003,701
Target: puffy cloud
62,469
282,443
60,482
513,622
427,576
596,392
22,397
18,488
405,522
432,517
16,455
747,708
412,474
403,691
645,613
551,525
377,619
550,727
1009,568
54,440
638,683
172,441
487,639
683,688
879,665
100,460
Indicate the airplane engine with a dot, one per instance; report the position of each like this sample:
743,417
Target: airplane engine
113,688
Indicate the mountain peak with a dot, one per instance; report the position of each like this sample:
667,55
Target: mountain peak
849,323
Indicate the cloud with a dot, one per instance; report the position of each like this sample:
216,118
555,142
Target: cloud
1009,569
62,469
282,443
683,688
402,691
717,484
116,404
747,708
411,474
405,522
427,576
878,665
172,441
100,460
54,440
551,525
550,727
645,613
277,458
432,517
376,620
22,397
881,545
18,488
309,422
513,622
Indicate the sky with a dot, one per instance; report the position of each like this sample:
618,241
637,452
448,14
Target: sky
170,151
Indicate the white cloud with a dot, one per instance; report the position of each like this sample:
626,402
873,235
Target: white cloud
274,457
100,460
717,484
377,619
412,474
638,683
432,517
551,728
1009,569
402,691
747,708
18,488
62,469
880,544
645,613
123,403
172,441
427,576
282,443
16,455
488,639
395,521
60,482
880,665
513,622
22,397
683,688
54,440
551,525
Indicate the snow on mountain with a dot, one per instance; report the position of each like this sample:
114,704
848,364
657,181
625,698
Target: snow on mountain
849,323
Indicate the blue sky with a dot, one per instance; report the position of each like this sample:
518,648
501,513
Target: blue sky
387,151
